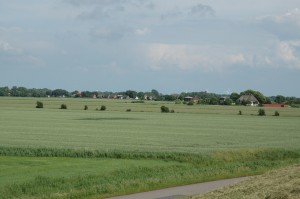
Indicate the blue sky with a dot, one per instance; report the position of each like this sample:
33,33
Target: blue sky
170,45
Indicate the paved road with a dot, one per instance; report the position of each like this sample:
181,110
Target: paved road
179,192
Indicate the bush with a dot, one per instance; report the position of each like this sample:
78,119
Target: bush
172,111
102,108
178,101
190,103
63,106
164,109
240,112
276,113
86,107
128,110
261,112
39,104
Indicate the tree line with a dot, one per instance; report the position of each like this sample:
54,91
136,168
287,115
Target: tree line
202,97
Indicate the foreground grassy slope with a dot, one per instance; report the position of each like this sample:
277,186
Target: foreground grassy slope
283,183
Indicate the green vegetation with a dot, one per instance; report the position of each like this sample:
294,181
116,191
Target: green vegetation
63,106
164,109
48,153
278,184
86,107
261,112
39,104
276,113
102,108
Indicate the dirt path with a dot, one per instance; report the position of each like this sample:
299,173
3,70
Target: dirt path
179,192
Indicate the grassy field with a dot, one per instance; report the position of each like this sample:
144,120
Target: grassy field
282,183
73,153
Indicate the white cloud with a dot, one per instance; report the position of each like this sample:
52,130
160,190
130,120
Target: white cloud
142,31
7,48
286,26
286,51
190,57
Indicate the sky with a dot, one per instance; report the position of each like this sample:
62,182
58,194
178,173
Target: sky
172,46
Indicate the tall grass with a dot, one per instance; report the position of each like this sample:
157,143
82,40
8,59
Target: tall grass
192,168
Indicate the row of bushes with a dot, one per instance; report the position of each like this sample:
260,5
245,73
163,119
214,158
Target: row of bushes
261,112
64,106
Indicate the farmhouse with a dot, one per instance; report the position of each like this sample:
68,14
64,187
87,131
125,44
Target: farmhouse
250,100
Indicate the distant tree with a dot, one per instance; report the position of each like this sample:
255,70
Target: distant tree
169,97
234,96
213,101
39,104
280,99
155,93
228,101
190,103
131,93
60,93
4,91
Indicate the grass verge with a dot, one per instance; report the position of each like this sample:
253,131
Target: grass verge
190,168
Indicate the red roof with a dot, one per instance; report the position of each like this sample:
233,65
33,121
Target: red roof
274,105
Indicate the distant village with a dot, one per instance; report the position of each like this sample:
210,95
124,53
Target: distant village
247,97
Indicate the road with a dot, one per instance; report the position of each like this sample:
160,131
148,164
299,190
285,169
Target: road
182,191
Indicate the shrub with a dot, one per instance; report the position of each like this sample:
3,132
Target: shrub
86,107
63,106
178,101
164,109
190,103
172,111
102,108
39,104
240,112
276,113
128,110
261,112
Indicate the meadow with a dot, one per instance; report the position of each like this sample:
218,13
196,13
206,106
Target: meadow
76,153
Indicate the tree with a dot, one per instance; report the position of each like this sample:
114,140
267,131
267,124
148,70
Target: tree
60,93
234,96
132,94
155,93
280,99
228,101
4,91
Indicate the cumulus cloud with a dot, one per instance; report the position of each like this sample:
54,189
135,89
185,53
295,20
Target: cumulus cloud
285,26
191,57
288,51
203,10
7,48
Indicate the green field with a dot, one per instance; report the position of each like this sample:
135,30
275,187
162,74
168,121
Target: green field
73,153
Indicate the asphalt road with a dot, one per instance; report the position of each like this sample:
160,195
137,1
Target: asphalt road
182,191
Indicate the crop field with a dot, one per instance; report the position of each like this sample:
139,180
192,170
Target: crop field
76,153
